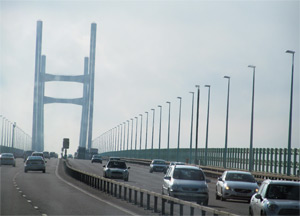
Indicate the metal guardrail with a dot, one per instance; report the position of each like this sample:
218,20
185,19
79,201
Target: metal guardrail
217,171
138,196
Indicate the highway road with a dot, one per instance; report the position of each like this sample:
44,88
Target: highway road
140,177
55,193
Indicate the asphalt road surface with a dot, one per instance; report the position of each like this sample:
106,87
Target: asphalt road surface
141,177
55,193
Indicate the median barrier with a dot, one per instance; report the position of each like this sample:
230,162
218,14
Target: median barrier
156,202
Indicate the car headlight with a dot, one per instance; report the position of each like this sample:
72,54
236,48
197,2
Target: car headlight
227,188
174,187
256,190
108,170
272,207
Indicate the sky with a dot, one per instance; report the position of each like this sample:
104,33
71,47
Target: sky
150,52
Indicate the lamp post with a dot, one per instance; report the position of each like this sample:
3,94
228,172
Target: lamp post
152,133
168,144
128,122
136,127
191,137
290,117
146,131
226,130
131,133
124,136
141,129
197,123
207,123
121,135
159,139
251,127
177,156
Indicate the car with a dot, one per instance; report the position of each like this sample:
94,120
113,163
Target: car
172,163
186,182
35,163
114,158
46,154
70,156
276,197
7,159
239,185
96,159
41,154
26,154
116,169
158,165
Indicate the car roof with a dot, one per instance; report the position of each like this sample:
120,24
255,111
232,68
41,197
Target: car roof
35,158
282,182
158,160
187,167
8,154
238,172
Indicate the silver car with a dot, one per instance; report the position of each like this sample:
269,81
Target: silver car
158,165
276,197
187,183
35,163
116,169
236,185
7,159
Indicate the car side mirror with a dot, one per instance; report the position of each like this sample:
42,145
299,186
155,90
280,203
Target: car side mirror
219,179
167,177
258,196
208,181
128,167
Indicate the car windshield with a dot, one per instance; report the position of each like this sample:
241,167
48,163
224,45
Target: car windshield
286,192
188,174
159,162
7,155
239,177
116,164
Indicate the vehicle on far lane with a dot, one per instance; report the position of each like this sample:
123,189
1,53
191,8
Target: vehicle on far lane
35,163
26,154
96,159
276,197
7,159
236,185
46,154
116,169
158,165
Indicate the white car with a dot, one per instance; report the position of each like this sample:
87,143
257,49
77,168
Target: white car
116,169
276,197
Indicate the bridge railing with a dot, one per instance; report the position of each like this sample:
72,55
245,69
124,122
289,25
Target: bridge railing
155,202
266,160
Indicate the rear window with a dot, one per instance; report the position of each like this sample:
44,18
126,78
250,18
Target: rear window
35,162
188,174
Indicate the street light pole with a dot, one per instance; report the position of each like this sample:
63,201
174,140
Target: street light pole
168,144
128,137
226,130
177,156
131,133
159,140
136,127
152,133
191,137
252,116
146,131
290,117
141,130
207,123
197,123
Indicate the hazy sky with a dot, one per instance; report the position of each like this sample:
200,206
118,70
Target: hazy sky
150,52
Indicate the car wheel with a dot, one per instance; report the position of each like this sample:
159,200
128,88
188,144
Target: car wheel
217,196
222,197
25,171
44,171
250,211
151,171
126,179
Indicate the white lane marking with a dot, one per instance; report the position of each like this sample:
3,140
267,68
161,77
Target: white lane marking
91,195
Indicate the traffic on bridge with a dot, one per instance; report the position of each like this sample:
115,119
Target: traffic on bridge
150,108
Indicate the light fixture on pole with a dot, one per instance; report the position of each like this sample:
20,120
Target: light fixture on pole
152,133
290,116
251,127
146,136
179,120
168,143
192,119
207,123
197,123
226,130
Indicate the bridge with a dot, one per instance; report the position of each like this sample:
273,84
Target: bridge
76,187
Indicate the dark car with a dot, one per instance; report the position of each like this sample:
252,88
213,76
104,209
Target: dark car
158,165
96,159
27,154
